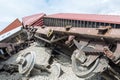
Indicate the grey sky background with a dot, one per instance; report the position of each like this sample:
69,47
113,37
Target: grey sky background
12,9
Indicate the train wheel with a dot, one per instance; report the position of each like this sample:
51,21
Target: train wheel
81,70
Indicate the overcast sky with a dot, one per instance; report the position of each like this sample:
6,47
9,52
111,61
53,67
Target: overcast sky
12,9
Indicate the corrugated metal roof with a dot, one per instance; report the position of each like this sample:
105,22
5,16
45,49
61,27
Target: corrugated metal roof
38,22
16,23
29,20
88,17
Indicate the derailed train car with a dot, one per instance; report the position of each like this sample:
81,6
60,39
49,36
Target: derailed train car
12,39
92,41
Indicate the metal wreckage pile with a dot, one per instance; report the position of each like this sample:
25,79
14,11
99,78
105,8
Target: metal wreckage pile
53,47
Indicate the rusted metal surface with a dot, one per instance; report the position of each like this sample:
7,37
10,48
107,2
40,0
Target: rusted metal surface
49,41
6,48
12,48
89,32
91,58
103,29
70,39
117,51
109,54
2,45
87,52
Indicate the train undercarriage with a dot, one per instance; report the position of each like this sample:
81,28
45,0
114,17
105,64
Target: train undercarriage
92,51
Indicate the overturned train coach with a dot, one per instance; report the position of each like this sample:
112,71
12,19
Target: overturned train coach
92,41
12,39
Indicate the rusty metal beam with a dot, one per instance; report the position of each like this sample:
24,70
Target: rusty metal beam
53,41
89,32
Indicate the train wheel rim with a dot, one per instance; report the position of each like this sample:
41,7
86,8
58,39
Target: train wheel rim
86,72
30,61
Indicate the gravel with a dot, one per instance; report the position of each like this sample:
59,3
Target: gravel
7,76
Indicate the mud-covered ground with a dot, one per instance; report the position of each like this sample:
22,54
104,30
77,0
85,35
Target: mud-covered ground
65,65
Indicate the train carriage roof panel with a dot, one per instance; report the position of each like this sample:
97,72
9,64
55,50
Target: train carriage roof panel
16,23
30,20
88,17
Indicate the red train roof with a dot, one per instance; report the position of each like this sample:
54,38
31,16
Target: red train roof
88,17
16,23
29,20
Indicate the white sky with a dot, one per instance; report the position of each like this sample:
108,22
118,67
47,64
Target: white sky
12,9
